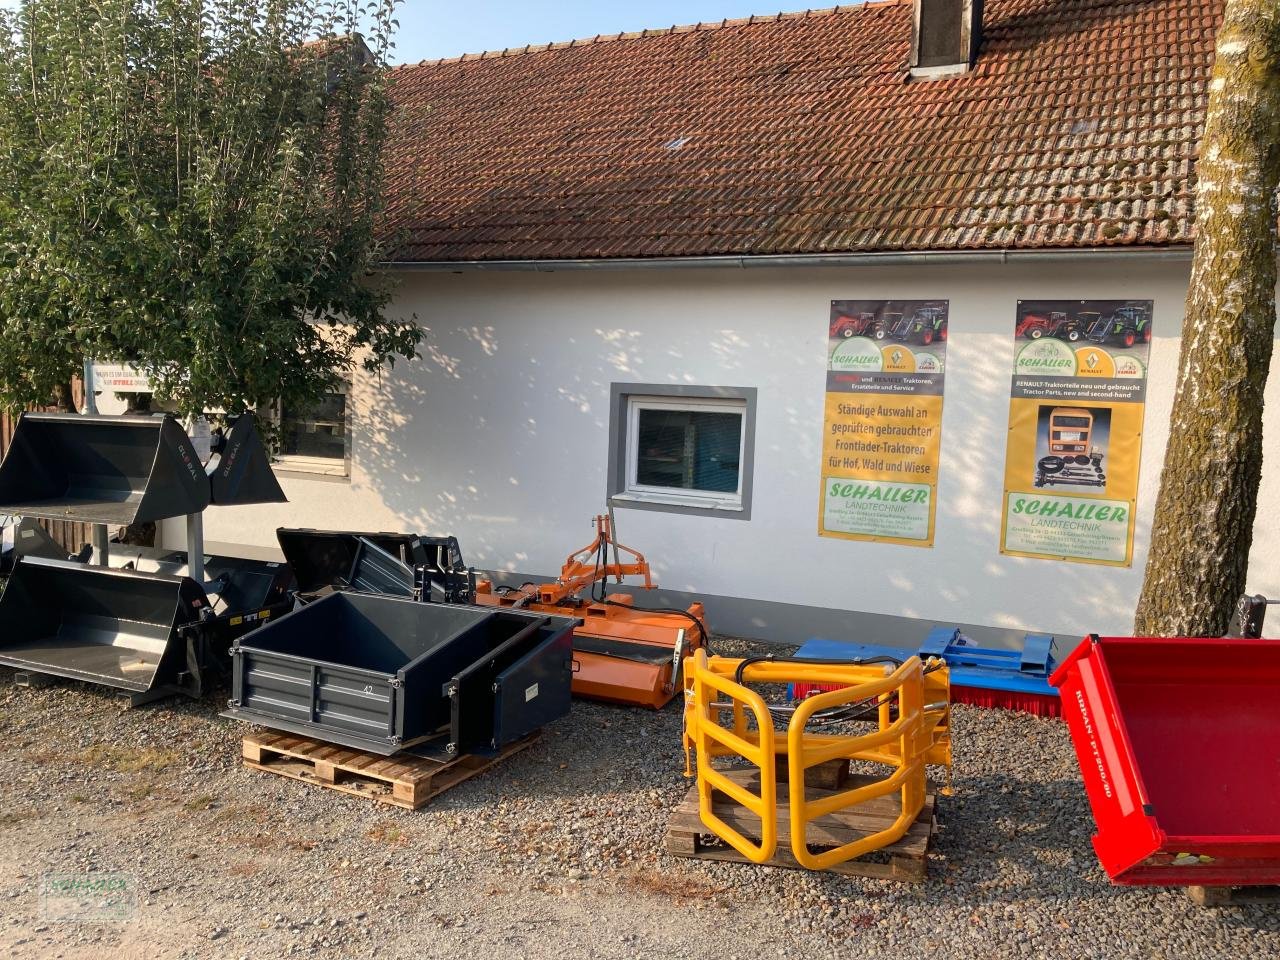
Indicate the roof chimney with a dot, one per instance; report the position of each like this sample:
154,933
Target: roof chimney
945,35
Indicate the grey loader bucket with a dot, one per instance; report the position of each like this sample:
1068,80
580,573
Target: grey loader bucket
240,470
112,470
113,627
150,630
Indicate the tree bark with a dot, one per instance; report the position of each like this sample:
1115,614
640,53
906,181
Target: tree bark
1203,525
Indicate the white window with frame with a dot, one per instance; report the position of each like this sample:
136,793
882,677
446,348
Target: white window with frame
314,438
687,450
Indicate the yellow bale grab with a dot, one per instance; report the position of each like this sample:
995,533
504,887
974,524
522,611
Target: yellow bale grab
886,714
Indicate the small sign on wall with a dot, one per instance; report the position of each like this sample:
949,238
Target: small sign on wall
1075,429
882,431
119,378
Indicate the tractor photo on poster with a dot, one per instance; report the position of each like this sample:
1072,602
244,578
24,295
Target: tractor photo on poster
1109,338
921,326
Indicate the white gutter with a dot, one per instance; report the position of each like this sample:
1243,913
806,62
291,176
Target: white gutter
1177,254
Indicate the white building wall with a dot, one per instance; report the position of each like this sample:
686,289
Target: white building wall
499,434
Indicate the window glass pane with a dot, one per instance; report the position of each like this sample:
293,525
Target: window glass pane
688,450
315,432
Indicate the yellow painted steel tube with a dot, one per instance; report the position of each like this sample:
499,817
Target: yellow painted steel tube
862,676
815,754
804,753
813,809
907,680
765,805
752,801
901,744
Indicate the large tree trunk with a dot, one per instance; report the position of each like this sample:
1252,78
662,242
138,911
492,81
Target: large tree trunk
1203,524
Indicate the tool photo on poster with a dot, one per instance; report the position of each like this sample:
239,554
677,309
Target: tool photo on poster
1071,446
882,432
1076,409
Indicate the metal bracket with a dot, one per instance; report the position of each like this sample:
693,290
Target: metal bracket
677,662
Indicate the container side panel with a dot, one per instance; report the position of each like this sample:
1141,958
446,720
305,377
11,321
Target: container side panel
1203,720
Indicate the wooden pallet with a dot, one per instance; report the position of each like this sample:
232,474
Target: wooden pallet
1233,896
404,780
907,859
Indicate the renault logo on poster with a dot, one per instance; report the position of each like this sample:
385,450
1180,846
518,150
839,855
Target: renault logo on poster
883,426
1075,429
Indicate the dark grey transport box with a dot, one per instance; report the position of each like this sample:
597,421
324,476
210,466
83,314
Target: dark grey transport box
382,673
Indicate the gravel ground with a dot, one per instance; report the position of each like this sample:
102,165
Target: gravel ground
554,853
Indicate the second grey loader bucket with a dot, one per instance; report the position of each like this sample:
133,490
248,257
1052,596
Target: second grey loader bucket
111,470
382,674
113,627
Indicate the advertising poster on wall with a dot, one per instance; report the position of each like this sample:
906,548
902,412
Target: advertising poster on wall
882,432
1075,429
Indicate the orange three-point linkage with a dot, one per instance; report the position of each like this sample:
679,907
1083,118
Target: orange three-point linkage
591,565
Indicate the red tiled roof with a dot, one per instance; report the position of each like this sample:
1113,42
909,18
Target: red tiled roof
801,134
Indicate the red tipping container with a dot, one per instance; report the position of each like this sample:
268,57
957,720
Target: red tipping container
1179,745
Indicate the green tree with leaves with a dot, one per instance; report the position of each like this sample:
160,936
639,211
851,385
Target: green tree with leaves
1203,526
194,187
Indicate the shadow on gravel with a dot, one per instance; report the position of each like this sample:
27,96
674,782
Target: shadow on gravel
998,826
1013,840
591,755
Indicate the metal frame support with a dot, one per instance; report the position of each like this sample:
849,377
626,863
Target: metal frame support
195,547
100,549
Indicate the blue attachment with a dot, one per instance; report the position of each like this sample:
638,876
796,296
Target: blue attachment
989,668
817,649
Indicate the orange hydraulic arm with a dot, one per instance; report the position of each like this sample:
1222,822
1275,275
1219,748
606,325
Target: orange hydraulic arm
591,565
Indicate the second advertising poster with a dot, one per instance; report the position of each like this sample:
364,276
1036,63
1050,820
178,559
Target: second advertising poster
1075,429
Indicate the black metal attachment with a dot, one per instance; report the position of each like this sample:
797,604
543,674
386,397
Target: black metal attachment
29,539
240,470
394,564
1251,613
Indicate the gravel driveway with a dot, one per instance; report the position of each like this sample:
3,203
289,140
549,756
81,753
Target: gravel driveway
555,853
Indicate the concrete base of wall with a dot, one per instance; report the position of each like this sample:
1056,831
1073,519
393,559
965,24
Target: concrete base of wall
765,620
794,623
